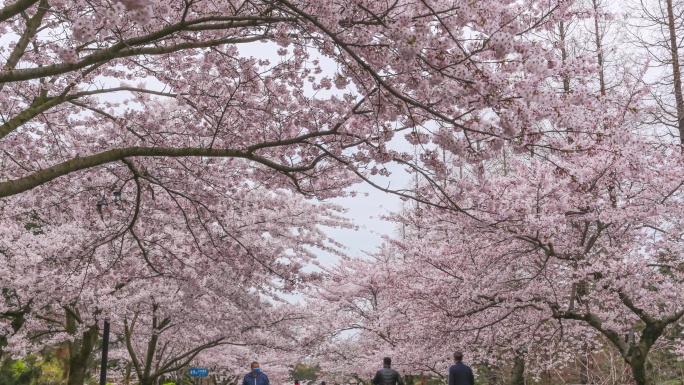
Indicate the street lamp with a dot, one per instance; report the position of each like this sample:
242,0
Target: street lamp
105,350
105,331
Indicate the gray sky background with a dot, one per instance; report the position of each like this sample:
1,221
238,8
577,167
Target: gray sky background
366,211
370,204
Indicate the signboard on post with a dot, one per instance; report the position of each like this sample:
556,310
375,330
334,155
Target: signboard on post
199,372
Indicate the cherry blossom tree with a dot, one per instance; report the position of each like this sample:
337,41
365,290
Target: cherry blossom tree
73,67
252,246
108,105
408,299
166,332
346,336
141,140
404,306
534,255
584,240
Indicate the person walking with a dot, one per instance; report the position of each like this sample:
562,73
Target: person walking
255,376
460,373
387,375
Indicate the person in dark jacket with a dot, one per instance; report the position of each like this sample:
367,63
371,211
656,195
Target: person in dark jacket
387,375
460,373
256,376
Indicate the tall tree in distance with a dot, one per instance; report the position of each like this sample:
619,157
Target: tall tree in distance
656,27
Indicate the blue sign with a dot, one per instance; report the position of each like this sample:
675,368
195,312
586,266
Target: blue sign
199,372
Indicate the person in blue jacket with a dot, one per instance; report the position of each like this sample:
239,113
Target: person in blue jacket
460,373
256,376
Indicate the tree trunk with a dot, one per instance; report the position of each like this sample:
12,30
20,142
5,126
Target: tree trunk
637,355
79,354
642,373
127,374
676,73
518,371
151,380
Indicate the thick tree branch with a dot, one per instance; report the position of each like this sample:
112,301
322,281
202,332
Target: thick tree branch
674,317
595,322
627,301
31,28
15,9
128,332
134,47
38,106
40,177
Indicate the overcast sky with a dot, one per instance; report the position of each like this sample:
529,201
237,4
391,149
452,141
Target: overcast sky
370,204
366,212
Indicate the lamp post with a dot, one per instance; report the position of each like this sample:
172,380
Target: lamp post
105,350
105,330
